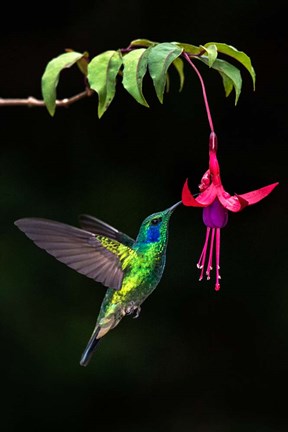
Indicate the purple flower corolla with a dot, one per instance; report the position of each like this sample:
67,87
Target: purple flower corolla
216,203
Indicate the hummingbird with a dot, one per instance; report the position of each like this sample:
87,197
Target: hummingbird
130,269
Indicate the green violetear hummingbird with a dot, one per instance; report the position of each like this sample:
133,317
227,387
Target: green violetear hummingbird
130,269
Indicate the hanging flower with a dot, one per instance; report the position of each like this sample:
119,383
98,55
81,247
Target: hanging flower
216,203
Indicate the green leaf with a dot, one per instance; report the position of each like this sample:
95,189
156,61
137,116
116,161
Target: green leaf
228,84
50,77
82,63
211,53
231,76
142,42
237,55
160,58
135,67
179,65
190,49
102,73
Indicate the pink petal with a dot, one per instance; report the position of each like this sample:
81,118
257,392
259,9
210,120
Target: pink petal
233,203
208,196
205,181
257,195
203,199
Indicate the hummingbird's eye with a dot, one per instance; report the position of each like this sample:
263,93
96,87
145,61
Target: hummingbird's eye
156,221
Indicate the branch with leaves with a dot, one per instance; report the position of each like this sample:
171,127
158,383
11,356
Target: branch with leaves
130,65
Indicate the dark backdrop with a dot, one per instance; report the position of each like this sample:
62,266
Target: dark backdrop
195,359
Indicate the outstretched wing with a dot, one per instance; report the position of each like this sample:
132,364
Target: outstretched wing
96,256
96,226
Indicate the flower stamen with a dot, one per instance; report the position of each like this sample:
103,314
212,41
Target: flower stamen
209,265
217,285
202,258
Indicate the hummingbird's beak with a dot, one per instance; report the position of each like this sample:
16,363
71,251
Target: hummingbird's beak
171,209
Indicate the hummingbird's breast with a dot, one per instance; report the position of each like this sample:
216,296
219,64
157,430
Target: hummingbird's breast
141,277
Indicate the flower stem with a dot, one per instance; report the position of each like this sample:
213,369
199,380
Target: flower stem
203,91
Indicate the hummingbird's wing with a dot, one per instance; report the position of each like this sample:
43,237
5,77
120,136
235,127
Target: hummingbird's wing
95,256
96,226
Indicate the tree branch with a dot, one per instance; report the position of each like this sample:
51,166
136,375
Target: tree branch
31,101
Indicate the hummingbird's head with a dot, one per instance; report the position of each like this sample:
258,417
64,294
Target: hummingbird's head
155,227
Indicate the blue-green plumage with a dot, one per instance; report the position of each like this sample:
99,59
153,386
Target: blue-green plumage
130,269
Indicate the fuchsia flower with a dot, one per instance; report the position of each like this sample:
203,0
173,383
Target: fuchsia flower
216,203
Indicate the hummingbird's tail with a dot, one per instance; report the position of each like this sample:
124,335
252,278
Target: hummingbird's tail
90,348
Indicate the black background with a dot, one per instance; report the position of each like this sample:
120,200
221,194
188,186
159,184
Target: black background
196,359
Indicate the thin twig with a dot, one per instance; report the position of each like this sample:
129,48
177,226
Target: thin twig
31,101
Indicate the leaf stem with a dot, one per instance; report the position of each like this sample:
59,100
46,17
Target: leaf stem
210,121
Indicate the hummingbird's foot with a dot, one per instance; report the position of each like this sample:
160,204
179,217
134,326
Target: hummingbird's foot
131,308
138,310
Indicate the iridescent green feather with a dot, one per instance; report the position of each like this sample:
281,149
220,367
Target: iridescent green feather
123,252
